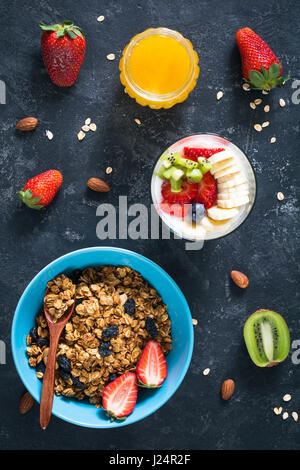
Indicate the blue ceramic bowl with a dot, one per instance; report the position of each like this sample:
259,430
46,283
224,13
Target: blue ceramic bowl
83,413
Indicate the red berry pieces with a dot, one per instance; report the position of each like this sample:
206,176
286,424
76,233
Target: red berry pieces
207,194
152,368
187,193
119,396
193,153
178,210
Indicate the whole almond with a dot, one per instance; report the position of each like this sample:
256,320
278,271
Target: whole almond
27,124
239,279
227,389
96,184
26,403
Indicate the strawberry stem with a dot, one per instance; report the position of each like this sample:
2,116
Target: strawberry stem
267,79
67,27
32,202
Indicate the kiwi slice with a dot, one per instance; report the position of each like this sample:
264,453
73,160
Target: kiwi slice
175,185
267,338
173,172
194,176
186,163
170,159
161,172
204,165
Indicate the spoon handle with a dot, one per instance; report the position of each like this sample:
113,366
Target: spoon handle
48,383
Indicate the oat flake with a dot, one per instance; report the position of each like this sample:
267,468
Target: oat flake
285,415
258,101
87,121
282,102
100,18
85,128
194,321
280,196
81,135
246,86
93,127
273,140
252,105
286,397
266,108
265,124
49,134
111,56
220,95
206,371
258,127
108,170
295,415
138,122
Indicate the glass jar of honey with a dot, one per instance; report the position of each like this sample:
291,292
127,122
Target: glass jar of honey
159,68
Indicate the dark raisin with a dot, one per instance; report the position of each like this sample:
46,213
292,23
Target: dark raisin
78,301
151,327
104,349
33,333
129,306
110,332
77,383
64,374
98,278
75,275
40,368
64,363
111,378
42,342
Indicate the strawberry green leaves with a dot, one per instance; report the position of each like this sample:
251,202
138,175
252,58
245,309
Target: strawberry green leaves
32,202
67,27
266,79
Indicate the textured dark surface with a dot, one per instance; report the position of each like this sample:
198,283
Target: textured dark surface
266,247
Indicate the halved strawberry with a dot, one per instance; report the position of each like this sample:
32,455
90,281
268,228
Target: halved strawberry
178,210
119,396
193,153
151,369
187,193
208,191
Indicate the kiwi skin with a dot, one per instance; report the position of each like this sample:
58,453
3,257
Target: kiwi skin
284,338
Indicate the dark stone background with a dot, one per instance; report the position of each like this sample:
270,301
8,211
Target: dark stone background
266,247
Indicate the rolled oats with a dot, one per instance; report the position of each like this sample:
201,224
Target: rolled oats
101,294
59,297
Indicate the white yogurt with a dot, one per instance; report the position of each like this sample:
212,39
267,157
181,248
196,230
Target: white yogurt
209,228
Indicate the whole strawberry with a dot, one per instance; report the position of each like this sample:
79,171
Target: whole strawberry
63,49
260,66
39,191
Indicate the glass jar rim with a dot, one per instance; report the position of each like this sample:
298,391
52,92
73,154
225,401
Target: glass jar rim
160,32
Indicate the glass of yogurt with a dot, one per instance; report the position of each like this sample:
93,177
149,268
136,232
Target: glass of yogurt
203,187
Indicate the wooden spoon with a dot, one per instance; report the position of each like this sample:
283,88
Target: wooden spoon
55,330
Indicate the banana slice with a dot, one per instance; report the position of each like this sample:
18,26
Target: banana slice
233,202
222,165
234,180
226,195
238,188
217,213
220,175
206,224
221,156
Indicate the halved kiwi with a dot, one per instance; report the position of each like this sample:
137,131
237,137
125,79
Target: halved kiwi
267,338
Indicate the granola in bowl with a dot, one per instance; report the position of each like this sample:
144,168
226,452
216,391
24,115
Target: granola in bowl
59,296
116,313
